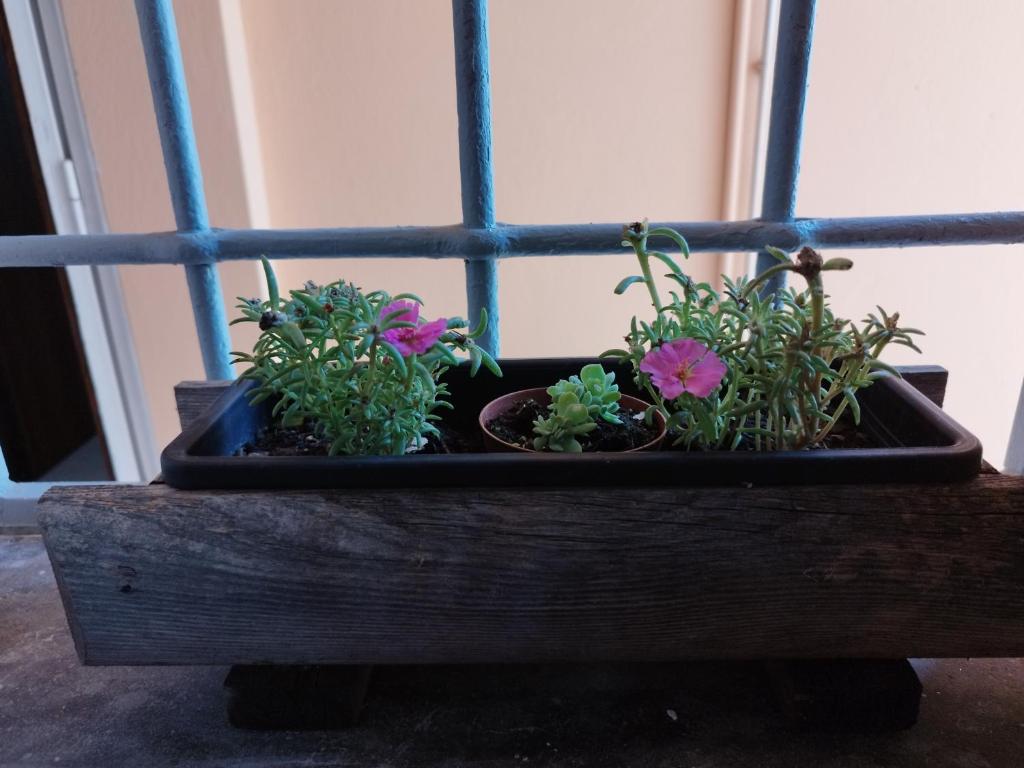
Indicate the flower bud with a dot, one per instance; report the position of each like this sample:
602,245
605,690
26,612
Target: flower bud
808,262
271,319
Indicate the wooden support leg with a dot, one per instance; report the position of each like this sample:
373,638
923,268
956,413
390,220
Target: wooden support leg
862,696
285,698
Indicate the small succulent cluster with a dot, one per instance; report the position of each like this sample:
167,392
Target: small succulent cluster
768,372
576,404
362,370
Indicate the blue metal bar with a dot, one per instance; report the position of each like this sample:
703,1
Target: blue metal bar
184,177
789,91
473,97
504,241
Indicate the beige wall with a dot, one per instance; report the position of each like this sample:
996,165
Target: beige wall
356,105
913,109
603,111
111,72
353,133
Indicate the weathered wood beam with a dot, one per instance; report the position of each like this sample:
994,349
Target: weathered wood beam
153,575
930,380
194,397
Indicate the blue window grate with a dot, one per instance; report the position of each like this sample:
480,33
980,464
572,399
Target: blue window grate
480,240
184,175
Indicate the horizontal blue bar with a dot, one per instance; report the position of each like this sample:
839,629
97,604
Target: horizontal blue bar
504,241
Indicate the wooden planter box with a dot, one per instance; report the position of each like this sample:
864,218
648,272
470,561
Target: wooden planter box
155,575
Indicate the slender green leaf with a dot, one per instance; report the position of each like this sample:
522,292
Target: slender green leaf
268,271
851,399
395,356
667,260
481,325
671,234
625,282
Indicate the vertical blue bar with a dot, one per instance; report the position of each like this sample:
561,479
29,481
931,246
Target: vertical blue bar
473,90
184,177
789,91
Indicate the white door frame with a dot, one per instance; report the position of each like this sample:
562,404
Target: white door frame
69,173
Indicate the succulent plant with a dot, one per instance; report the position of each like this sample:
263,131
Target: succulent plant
568,419
595,389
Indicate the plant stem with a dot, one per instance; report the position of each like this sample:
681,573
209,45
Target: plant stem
768,273
371,367
410,372
645,268
817,320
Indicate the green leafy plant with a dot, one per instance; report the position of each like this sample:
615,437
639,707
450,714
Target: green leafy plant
361,370
559,431
742,369
576,404
594,389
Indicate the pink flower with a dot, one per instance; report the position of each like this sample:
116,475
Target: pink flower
683,365
408,340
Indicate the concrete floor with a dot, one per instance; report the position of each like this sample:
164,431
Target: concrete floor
55,712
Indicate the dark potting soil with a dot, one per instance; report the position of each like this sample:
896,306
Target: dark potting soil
303,441
516,426
285,441
845,435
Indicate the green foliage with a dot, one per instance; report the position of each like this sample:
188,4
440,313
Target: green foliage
327,359
576,404
794,368
594,389
559,431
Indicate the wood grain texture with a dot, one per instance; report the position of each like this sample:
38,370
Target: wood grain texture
930,380
153,575
194,397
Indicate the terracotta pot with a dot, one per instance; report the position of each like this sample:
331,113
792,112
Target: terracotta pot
501,404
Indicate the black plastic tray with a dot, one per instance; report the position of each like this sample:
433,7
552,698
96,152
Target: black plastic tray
922,444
